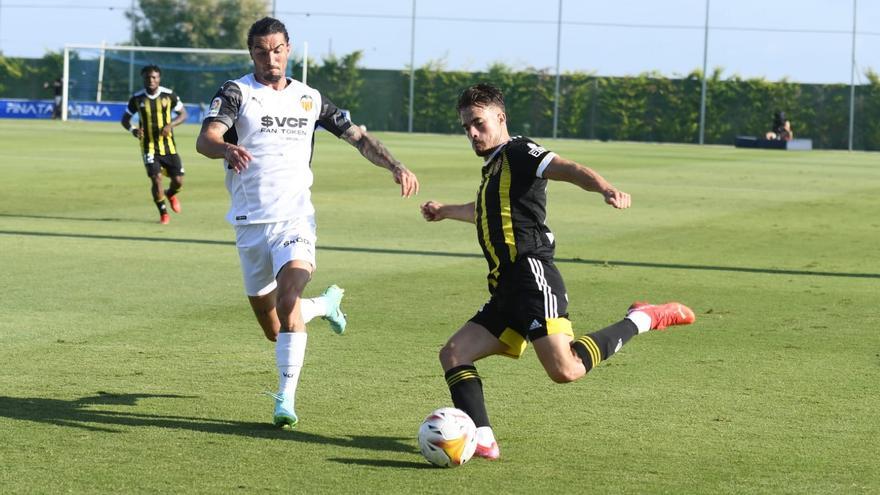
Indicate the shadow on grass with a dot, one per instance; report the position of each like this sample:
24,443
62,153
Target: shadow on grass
81,413
411,252
75,219
382,463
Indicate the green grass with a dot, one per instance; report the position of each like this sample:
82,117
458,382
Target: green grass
131,363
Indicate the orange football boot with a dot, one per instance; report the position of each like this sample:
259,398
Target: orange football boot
491,452
175,203
665,315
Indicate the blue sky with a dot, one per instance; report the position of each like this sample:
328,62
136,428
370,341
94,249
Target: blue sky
802,40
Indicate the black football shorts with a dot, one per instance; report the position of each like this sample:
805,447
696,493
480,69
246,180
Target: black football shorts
169,164
530,302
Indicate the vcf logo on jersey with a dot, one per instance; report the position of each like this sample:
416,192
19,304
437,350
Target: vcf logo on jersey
274,124
306,103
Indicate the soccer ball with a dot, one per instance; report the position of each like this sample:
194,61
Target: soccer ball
448,437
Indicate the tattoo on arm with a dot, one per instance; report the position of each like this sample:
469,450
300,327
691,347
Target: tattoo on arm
210,140
371,148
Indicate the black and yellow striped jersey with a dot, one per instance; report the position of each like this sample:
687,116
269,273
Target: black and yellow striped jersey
511,206
155,112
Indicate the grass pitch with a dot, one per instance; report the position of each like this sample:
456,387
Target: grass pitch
131,362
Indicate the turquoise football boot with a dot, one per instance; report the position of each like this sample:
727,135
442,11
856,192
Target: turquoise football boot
284,415
333,298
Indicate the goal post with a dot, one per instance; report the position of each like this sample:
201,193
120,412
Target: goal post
99,73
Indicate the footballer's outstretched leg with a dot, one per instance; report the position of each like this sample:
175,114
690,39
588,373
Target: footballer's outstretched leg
641,317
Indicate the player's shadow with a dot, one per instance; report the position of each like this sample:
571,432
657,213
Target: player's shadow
85,413
71,218
383,463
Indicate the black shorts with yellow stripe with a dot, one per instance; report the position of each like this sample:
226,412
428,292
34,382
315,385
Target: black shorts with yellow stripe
170,165
530,302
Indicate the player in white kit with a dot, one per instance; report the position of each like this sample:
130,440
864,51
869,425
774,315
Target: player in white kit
262,125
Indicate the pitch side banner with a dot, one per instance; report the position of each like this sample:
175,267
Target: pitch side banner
77,110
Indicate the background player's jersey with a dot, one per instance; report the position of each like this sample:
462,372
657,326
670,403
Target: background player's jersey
154,113
277,127
511,206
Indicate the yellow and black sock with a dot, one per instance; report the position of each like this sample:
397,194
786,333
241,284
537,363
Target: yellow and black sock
466,389
599,346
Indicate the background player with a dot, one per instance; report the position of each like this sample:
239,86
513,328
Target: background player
528,298
154,105
263,126
57,88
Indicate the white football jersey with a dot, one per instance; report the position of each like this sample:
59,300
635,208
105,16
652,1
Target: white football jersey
277,128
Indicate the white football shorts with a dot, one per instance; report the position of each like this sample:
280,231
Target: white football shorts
266,247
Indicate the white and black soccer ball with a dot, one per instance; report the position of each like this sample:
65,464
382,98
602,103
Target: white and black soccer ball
448,437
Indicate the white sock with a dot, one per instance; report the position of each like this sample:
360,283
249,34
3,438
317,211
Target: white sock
485,435
641,319
311,308
290,350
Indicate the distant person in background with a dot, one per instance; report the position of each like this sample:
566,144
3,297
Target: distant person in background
781,130
154,105
57,87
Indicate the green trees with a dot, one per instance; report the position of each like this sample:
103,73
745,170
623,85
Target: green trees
650,107
646,107
24,78
196,23
868,113
340,79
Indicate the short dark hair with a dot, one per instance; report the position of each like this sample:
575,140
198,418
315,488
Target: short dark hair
150,68
480,95
265,27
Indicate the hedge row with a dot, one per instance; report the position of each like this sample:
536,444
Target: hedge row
647,107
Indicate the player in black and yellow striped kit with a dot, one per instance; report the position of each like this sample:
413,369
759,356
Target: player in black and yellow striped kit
155,105
528,301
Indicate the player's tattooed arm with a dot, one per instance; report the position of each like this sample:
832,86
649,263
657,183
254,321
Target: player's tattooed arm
211,144
370,147
373,150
